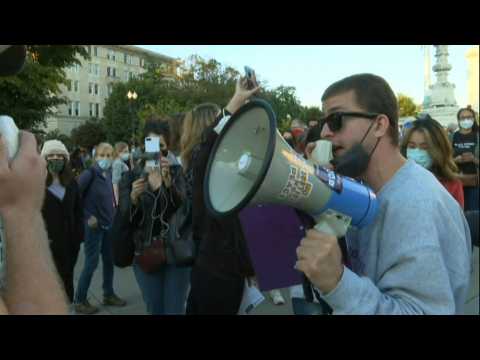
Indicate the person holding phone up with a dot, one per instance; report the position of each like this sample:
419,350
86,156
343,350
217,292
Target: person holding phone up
151,200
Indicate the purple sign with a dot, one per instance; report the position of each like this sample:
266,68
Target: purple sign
273,233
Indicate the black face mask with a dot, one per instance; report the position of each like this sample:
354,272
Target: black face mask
355,161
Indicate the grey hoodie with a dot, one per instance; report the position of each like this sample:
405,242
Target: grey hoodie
414,259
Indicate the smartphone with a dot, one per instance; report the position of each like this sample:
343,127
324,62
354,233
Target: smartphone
152,145
249,75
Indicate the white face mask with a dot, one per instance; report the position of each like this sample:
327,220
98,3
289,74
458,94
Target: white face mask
466,123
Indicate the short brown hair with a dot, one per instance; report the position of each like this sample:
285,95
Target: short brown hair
373,94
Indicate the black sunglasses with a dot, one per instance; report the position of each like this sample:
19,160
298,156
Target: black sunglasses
335,120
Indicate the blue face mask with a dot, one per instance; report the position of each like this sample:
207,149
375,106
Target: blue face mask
104,164
421,157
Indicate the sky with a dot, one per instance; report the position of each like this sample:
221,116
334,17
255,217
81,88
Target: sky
312,68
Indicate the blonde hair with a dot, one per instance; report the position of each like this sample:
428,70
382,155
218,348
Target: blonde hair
194,124
102,146
119,147
439,148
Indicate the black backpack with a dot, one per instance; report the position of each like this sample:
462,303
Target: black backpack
121,233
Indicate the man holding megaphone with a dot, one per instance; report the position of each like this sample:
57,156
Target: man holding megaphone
415,257
408,246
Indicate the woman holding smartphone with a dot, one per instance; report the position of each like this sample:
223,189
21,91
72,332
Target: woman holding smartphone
150,201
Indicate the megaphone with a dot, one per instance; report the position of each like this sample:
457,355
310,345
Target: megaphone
251,164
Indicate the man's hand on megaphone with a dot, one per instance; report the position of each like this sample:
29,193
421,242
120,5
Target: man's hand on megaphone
309,149
320,258
242,94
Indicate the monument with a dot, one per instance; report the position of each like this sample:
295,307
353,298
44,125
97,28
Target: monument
439,100
472,77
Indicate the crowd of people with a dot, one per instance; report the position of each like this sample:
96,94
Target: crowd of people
415,258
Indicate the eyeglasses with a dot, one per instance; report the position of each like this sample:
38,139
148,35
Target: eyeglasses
335,120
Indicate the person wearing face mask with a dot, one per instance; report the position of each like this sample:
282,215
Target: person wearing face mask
415,257
62,212
464,142
119,166
427,144
148,198
99,203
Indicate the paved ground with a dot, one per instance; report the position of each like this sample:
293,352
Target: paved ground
126,287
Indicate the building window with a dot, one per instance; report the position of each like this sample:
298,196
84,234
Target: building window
77,108
94,109
111,55
96,89
90,88
142,62
70,108
76,85
109,89
111,72
89,49
95,51
69,85
127,59
126,75
96,69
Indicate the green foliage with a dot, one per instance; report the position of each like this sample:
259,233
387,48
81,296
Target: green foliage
57,135
199,81
30,96
88,134
311,114
406,106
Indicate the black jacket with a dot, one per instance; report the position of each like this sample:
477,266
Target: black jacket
64,218
141,216
222,248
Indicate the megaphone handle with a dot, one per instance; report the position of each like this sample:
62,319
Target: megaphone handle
332,223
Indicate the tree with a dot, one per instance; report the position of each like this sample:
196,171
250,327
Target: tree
406,106
88,134
30,96
285,104
312,113
200,81
57,135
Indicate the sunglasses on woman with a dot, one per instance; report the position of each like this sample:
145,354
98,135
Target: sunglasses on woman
335,120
